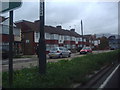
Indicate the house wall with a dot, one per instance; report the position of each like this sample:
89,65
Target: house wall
4,34
28,43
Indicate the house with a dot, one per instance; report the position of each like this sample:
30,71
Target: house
92,41
54,36
4,34
114,42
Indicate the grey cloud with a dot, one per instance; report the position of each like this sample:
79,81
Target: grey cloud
97,17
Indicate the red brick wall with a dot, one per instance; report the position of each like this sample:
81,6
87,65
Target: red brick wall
51,41
5,38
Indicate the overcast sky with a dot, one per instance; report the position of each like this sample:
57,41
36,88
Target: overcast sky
97,17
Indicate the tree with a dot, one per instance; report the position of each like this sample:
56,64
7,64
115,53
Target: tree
103,43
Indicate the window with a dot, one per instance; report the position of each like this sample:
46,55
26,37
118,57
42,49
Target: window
80,39
36,36
66,37
5,46
5,29
84,40
53,45
56,36
77,39
52,36
47,36
61,37
73,38
73,46
47,46
16,31
67,46
79,45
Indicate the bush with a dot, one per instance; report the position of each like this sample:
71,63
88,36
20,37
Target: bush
61,74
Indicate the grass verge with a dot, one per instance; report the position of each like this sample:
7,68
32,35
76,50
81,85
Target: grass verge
61,74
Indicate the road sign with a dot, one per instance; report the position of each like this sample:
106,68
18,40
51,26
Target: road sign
9,5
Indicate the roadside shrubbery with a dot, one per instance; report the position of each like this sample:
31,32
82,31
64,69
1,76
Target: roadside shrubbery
61,74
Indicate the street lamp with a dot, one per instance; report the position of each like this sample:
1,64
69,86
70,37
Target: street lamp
82,32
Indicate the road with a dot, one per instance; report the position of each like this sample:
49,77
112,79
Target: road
28,62
110,79
113,80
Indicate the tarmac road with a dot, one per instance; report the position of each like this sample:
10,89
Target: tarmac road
28,62
113,80
106,78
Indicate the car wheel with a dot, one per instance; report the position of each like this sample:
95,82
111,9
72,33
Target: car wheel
60,56
50,57
69,55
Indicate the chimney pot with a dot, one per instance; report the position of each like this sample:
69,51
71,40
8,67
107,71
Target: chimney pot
73,30
59,27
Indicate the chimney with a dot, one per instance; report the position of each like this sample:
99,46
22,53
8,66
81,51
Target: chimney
59,27
73,30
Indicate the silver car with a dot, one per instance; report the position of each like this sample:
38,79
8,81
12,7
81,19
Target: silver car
59,52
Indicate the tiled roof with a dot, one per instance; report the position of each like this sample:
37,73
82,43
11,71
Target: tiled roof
25,25
35,26
55,30
89,36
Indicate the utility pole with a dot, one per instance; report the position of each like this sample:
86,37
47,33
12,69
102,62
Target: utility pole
82,32
42,46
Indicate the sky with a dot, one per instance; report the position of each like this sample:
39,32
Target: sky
97,16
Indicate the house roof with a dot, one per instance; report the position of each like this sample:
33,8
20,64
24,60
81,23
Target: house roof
35,26
25,25
55,30
89,36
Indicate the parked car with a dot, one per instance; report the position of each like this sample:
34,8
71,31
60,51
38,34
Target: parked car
59,52
4,52
85,50
47,50
37,51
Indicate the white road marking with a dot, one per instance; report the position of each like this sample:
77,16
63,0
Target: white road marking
106,81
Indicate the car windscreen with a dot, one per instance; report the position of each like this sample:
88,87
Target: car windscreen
61,48
86,49
54,49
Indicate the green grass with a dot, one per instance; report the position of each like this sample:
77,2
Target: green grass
24,56
61,74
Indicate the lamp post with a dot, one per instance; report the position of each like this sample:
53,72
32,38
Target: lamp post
42,46
82,32
70,39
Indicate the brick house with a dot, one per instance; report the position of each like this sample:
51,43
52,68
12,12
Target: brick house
54,36
114,42
92,41
4,34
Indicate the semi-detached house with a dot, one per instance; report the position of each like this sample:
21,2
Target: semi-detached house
4,36
54,36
